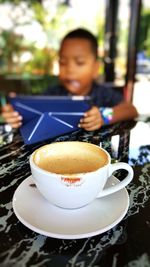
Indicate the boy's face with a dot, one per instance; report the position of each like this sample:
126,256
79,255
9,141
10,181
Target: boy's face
78,66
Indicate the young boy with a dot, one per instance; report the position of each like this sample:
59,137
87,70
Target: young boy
78,70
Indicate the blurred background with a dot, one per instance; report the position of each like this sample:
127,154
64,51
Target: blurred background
31,31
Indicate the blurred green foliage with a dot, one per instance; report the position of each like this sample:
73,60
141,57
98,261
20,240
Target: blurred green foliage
144,32
14,45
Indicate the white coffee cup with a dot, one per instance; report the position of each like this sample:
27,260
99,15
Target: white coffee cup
72,174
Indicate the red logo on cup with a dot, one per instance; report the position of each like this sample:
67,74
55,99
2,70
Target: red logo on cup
71,181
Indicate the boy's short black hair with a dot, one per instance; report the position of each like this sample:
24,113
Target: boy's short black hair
84,34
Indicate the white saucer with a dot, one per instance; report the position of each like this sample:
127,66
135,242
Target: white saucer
39,215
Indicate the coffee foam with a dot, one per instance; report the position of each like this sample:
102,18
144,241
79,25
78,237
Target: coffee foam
70,157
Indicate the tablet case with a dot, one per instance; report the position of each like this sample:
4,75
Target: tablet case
46,117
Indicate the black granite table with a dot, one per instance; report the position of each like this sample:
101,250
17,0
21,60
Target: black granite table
125,245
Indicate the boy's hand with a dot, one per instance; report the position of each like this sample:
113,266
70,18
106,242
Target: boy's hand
92,119
11,117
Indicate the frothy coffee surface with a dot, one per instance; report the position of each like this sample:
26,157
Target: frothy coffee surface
70,157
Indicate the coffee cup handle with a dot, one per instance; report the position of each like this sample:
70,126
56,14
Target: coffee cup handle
114,188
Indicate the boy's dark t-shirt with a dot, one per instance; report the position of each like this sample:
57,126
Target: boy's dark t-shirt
102,96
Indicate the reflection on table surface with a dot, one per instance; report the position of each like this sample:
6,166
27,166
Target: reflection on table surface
126,244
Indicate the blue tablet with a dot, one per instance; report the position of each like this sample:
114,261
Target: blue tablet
46,117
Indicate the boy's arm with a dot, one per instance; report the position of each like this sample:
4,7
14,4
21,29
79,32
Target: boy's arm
123,111
97,117
11,116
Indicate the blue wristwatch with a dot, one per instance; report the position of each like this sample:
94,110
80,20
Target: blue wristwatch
107,114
